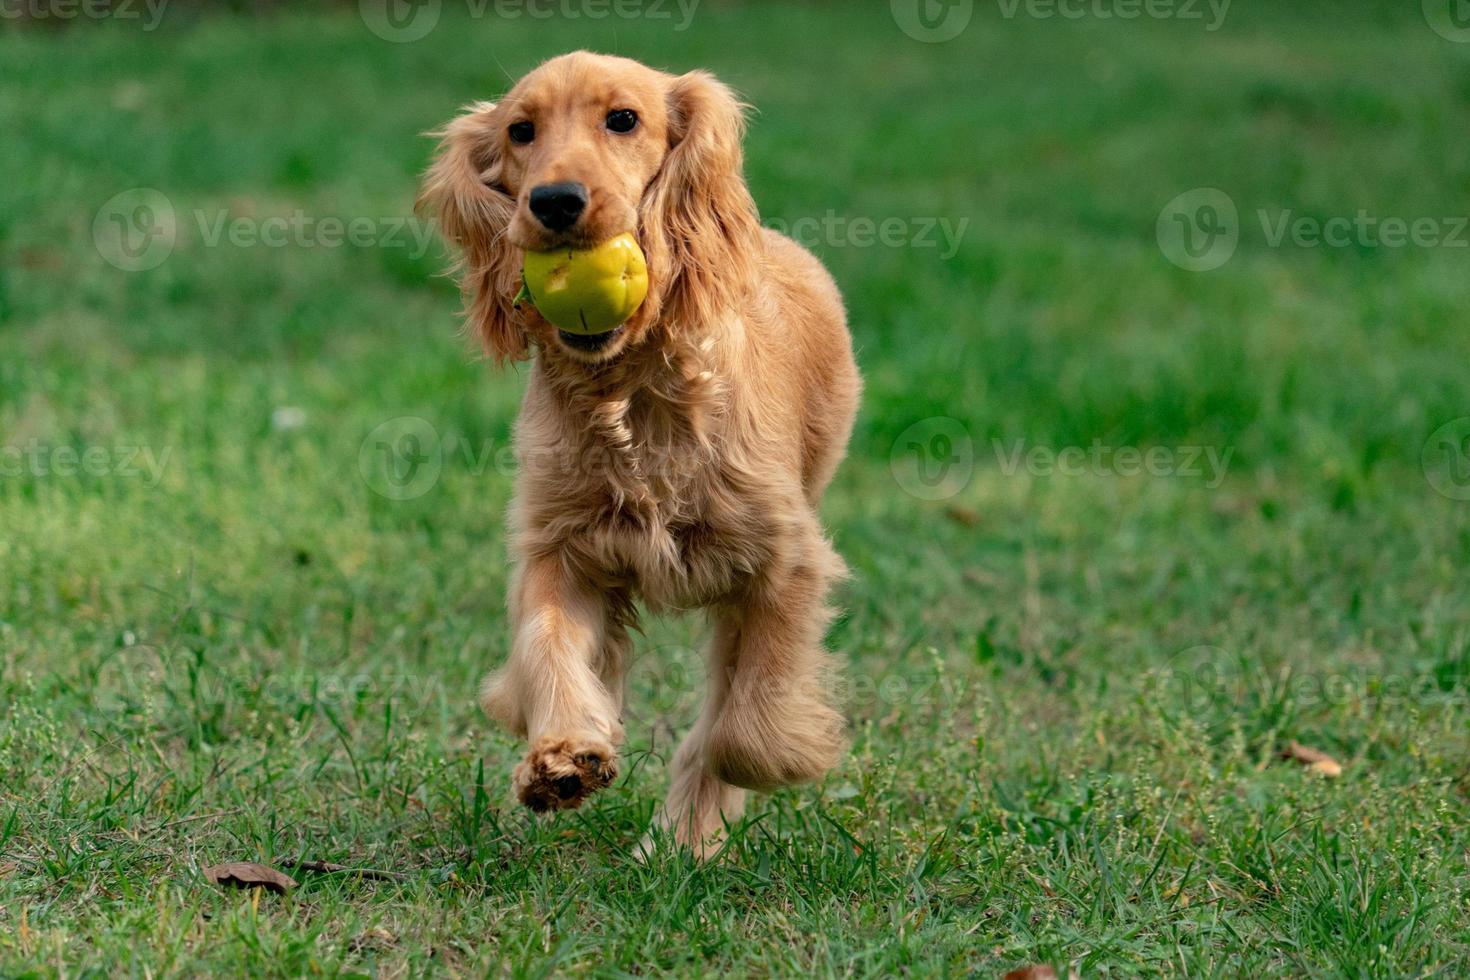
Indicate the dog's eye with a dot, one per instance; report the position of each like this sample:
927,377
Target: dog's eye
622,120
522,133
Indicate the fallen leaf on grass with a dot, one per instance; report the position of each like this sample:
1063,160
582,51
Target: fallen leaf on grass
1036,971
1040,971
8,868
963,515
1314,759
244,874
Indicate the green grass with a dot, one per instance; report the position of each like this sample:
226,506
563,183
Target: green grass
1068,693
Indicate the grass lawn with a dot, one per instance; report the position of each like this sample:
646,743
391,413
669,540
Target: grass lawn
1071,666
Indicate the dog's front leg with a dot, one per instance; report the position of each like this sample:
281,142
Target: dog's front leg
552,688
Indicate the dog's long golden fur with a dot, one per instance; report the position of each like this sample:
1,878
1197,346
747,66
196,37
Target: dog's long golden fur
678,464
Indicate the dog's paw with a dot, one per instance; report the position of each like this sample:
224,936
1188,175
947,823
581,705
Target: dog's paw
559,773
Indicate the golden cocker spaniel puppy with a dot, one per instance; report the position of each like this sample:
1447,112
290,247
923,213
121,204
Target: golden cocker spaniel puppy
676,461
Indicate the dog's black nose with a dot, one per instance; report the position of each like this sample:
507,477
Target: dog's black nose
558,206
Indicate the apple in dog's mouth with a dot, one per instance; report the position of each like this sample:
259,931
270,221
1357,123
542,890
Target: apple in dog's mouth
587,293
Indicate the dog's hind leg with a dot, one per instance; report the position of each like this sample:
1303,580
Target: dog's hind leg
768,719
777,725
699,804
557,687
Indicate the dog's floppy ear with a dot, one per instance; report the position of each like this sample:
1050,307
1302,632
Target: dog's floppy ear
462,188
699,222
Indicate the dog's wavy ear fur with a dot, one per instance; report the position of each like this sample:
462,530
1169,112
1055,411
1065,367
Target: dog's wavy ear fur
699,224
462,189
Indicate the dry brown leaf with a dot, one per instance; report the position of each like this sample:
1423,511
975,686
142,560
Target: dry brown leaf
1036,971
1314,759
245,874
8,868
967,516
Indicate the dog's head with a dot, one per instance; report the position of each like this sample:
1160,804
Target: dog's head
583,148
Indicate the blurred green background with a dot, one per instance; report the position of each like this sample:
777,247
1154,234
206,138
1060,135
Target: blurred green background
228,633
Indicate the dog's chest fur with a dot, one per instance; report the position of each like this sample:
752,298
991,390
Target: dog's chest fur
651,498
